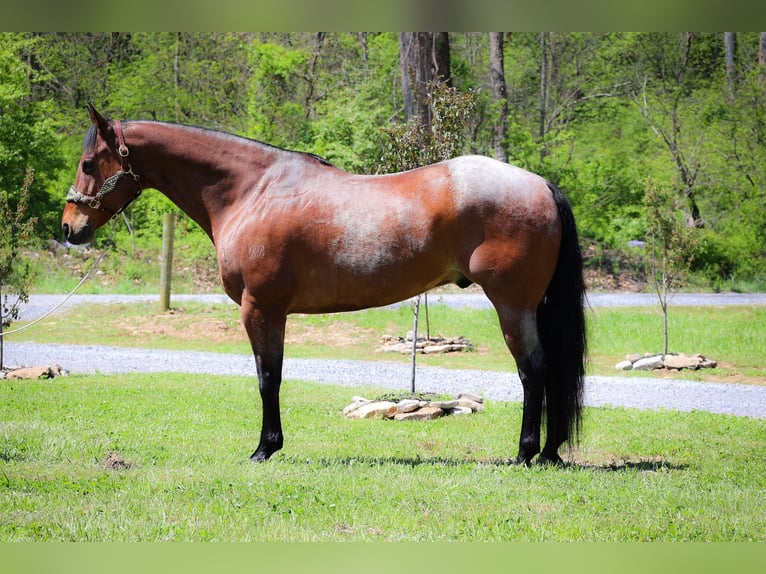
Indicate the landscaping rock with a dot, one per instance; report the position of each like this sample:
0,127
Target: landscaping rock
412,408
377,409
471,397
46,372
648,363
674,361
355,404
682,361
424,414
464,403
461,410
409,405
403,345
446,405
708,364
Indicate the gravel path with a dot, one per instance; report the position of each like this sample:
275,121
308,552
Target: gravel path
644,393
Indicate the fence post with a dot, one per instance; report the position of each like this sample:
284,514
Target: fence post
166,270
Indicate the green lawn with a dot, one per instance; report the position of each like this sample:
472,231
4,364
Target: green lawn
165,457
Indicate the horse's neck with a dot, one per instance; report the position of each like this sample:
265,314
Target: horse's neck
193,168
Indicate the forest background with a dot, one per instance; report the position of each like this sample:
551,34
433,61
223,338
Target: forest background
605,116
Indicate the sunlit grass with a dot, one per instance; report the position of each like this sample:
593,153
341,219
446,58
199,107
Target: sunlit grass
185,442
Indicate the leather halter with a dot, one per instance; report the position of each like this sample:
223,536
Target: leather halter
110,183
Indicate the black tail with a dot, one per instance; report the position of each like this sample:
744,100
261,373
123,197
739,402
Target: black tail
561,325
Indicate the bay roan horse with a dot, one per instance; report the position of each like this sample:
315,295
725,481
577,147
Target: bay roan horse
294,234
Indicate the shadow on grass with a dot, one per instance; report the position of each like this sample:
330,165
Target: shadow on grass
617,466
635,466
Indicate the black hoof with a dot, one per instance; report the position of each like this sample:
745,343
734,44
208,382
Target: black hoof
550,460
260,456
522,461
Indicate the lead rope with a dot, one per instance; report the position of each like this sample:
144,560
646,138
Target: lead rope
64,300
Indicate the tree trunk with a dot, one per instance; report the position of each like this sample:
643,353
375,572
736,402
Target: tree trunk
544,84
499,94
730,44
424,57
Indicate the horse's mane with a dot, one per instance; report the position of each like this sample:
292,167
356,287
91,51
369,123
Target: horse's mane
90,139
227,135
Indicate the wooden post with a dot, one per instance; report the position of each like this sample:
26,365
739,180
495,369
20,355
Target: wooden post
166,270
415,312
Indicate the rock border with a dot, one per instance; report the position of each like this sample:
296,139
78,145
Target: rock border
671,361
409,409
30,373
423,345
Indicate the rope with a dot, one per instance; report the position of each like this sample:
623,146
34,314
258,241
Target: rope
58,306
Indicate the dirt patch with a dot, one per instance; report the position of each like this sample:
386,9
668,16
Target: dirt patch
341,334
178,325
114,461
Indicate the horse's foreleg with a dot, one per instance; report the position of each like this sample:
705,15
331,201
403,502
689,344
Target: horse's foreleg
267,336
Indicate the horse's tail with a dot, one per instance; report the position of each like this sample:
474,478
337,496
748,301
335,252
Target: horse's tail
561,325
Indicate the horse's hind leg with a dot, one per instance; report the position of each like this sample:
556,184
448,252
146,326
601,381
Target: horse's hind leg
520,331
267,334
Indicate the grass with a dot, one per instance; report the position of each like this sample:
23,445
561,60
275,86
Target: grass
184,441
734,336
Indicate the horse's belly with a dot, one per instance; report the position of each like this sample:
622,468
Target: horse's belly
378,280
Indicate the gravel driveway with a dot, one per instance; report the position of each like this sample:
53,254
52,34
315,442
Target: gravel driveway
644,393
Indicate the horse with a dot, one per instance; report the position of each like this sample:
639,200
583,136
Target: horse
295,234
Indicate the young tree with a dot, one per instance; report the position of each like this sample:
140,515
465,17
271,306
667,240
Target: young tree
415,144
18,233
669,247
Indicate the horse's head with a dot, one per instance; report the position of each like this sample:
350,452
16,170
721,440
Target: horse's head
100,191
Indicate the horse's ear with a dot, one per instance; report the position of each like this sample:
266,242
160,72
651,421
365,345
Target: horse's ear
97,119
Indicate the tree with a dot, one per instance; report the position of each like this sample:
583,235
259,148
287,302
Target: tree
669,248
28,134
672,68
414,144
18,234
425,57
499,95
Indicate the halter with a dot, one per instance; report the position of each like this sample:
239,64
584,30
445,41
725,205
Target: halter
94,201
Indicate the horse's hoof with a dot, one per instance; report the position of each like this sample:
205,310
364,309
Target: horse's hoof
522,461
554,460
259,456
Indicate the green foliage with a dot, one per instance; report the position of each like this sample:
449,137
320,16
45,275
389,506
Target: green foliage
28,138
18,234
596,113
415,144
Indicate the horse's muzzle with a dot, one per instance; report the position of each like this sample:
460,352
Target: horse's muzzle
82,235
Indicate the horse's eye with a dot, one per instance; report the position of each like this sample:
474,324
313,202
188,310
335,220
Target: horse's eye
88,166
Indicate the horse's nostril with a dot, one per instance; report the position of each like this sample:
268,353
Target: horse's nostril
65,229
